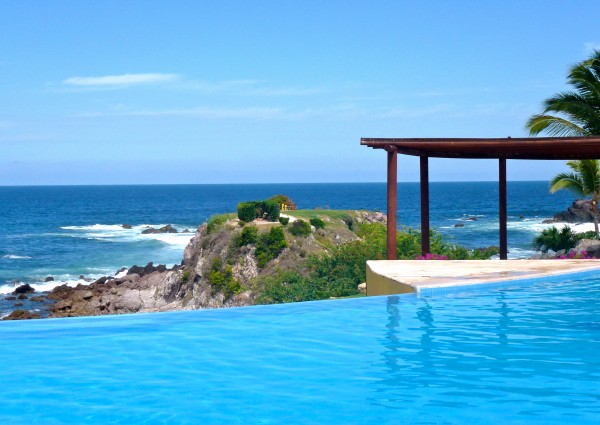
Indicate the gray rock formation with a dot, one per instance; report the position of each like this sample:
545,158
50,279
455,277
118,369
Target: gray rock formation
579,212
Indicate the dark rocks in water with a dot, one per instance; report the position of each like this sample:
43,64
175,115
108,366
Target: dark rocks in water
521,217
102,280
579,212
472,218
38,299
147,269
186,231
459,225
165,229
19,304
21,315
49,279
22,297
24,289
10,298
126,226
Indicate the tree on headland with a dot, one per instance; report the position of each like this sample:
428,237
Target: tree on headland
575,113
584,180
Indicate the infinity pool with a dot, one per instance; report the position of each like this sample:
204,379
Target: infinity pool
523,353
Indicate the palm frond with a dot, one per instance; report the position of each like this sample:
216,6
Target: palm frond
569,181
554,126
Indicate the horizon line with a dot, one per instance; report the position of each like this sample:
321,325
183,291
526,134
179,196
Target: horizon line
261,183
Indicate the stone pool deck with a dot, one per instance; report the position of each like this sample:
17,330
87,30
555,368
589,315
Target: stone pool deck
387,277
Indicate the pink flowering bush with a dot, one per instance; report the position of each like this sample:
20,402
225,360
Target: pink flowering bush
431,257
575,255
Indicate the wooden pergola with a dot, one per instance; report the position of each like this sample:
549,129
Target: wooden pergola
537,148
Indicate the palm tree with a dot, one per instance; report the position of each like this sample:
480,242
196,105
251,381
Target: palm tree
584,180
578,112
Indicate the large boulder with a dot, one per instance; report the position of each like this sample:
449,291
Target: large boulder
579,212
21,314
24,289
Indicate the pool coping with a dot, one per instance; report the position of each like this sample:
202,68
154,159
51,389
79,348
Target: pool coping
389,277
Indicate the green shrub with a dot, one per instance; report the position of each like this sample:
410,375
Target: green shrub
299,228
185,275
248,236
284,220
270,245
349,221
216,221
554,239
269,210
585,235
286,287
221,278
317,222
247,211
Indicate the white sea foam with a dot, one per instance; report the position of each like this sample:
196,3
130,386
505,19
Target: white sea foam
16,257
41,286
121,274
116,233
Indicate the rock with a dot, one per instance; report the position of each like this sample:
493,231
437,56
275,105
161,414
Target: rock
579,212
550,253
49,279
521,217
22,297
87,295
24,289
560,252
537,256
10,298
165,229
101,281
21,315
38,299
587,244
19,304
186,231
472,218
362,288
126,226
459,225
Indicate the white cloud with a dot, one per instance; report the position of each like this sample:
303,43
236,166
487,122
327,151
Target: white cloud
590,46
120,80
255,113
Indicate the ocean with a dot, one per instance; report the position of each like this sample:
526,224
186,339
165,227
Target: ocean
70,231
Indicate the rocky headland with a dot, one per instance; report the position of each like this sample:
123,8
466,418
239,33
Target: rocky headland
214,250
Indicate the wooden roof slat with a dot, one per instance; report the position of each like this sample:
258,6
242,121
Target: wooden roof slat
509,148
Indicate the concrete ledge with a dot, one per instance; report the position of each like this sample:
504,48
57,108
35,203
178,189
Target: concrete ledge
388,277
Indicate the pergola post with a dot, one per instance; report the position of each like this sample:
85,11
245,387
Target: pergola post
392,202
502,193
425,246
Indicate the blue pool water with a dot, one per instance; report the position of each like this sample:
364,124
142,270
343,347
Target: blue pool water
524,353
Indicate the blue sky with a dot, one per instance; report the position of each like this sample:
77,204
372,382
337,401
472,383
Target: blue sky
128,92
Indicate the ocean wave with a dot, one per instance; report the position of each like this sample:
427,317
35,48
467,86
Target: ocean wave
43,286
16,257
117,233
